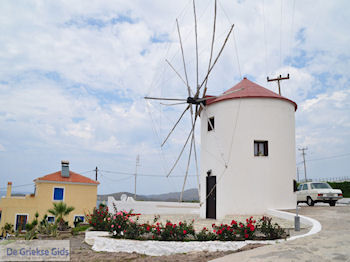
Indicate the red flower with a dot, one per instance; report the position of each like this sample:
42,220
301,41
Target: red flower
246,235
220,232
180,223
184,231
212,225
252,228
148,228
233,222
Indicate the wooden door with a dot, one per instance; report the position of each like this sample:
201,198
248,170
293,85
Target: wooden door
211,197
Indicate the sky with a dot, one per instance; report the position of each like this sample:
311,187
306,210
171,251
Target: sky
73,75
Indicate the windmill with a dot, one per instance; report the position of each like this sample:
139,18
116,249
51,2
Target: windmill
196,100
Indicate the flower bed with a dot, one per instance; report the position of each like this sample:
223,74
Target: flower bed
124,225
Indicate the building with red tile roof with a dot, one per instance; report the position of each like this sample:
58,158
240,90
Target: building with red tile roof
67,186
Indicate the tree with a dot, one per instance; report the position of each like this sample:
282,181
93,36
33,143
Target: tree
60,210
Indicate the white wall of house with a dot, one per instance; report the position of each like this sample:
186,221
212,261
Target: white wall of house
249,184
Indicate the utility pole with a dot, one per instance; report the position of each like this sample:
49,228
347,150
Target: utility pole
303,154
298,173
278,79
96,169
136,165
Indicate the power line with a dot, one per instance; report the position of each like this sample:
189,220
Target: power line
138,174
330,157
86,171
291,34
234,39
115,180
265,40
325,158
18,186
281,34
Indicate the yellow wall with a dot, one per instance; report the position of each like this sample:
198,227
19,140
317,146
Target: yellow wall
82,197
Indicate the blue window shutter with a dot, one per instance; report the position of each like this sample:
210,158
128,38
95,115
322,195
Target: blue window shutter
58,194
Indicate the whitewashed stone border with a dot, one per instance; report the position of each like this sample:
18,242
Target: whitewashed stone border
101,241
161,248
315,225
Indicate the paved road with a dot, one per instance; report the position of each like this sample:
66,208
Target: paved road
331,244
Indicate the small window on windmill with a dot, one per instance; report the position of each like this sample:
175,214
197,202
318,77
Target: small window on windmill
260,148
211,125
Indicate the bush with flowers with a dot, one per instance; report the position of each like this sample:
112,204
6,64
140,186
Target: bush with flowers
125,225
173,232
269,230
205,235
99,218
122,225
235,231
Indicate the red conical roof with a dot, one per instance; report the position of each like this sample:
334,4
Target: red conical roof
249,90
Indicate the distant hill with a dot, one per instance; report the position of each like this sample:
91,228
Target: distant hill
3,193
189,195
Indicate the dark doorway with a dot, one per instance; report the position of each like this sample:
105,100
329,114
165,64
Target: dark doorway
21,221
211,197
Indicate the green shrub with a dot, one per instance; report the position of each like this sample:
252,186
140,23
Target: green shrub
7,229
205,235
343,186
80,228
270,231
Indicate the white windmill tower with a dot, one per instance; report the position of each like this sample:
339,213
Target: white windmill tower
247,143
247,152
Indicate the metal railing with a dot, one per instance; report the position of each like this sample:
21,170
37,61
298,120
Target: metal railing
327,179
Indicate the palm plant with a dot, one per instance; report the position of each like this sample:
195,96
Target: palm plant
60,210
